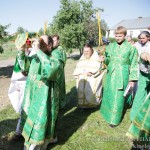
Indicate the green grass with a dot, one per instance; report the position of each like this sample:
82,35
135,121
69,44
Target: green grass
10,51
86,130
78,129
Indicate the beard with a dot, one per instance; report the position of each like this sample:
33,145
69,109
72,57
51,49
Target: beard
87,56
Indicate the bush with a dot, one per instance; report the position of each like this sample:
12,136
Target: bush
111,40
135,39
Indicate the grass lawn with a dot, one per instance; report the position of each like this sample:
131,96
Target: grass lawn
10,51
78,129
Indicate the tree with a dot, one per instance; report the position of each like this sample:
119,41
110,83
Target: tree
21,30
74,23
3,33
41,32
3,36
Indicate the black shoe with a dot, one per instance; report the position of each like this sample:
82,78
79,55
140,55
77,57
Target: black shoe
112,126
16,137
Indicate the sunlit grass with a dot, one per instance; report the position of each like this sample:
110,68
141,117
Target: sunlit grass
10,51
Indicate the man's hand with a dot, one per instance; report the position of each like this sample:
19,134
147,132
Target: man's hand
89,74
148,57
101,58
36,44
145,56
24,47
131,83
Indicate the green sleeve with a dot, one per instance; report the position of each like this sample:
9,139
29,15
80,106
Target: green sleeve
133,64
64,55
50,66
23,61
17,66
107,55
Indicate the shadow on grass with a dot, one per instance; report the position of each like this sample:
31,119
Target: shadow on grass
127,107
11,145
70,119
74,57
69,123
6,127
71,100
6,71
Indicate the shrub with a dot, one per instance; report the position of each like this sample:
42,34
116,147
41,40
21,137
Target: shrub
111,39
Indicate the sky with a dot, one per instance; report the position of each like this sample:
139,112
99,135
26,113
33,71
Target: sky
31,14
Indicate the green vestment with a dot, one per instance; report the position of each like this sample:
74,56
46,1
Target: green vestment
63,100
140,127
121,61
141,94
42,95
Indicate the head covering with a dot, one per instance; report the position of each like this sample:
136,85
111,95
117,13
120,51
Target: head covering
21,40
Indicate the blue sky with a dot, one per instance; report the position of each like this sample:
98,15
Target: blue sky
31,14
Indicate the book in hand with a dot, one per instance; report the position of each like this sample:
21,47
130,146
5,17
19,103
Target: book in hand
128,90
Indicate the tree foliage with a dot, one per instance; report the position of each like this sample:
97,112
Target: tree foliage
74,23
3,36
3,32
21,30
41,32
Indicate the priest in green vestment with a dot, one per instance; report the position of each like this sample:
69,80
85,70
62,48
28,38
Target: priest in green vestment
144,74
121,59
56,45
42,93
140,127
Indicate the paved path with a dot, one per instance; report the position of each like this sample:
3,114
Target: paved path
7,62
